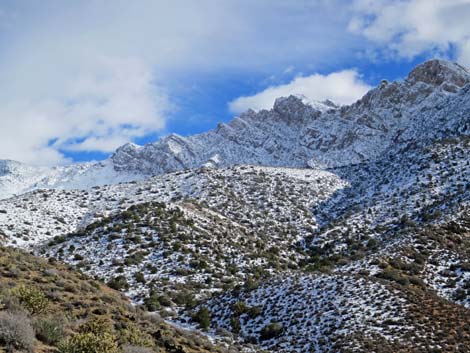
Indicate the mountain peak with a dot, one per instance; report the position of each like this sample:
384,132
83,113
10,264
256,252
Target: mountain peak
287,103
436,72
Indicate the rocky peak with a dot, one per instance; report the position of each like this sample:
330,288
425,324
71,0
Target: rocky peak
436,72
8,167
125,152
128,147
296,109
284,105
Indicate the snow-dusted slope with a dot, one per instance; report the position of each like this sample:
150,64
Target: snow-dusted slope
340,313
17,178
279,194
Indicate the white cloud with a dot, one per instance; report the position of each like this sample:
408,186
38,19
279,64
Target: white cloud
413,27
343,87
92,74
110,103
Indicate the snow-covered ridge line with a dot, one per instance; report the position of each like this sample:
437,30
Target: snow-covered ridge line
433,102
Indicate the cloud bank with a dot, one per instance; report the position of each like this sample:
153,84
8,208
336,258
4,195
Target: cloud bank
96,110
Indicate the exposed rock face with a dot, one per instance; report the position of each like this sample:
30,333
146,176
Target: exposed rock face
437,72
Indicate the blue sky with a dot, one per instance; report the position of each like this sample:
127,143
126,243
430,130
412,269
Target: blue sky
81,78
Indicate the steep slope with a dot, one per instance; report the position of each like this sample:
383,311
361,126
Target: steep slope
15,177
242,220
415,185
362,247
277,194
331,313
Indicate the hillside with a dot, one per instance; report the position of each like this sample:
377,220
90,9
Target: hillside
44,305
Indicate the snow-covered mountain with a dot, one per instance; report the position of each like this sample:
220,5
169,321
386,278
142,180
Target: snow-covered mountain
428,104
308,227
17,178
432,102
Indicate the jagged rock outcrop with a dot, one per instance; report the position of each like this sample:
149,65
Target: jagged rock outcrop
431,102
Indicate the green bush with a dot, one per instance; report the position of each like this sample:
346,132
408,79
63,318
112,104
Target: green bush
185,298
139,277
95,336
152,303
272,330
240,308
118,283
235,324
203,317
164,300
31,298
90,343
133,336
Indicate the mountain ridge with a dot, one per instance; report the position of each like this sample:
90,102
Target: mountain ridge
292,134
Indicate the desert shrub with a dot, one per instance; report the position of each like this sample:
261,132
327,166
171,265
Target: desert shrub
152,303
274,329
415,280
118,283
164,300
95,336
31,298
372,243
240,308
185,298
97,325
254,311
90,343
393,275
16,332
10,302
203,317
134,336
49,330
235,324
139,277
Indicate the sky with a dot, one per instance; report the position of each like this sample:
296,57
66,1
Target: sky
80,78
